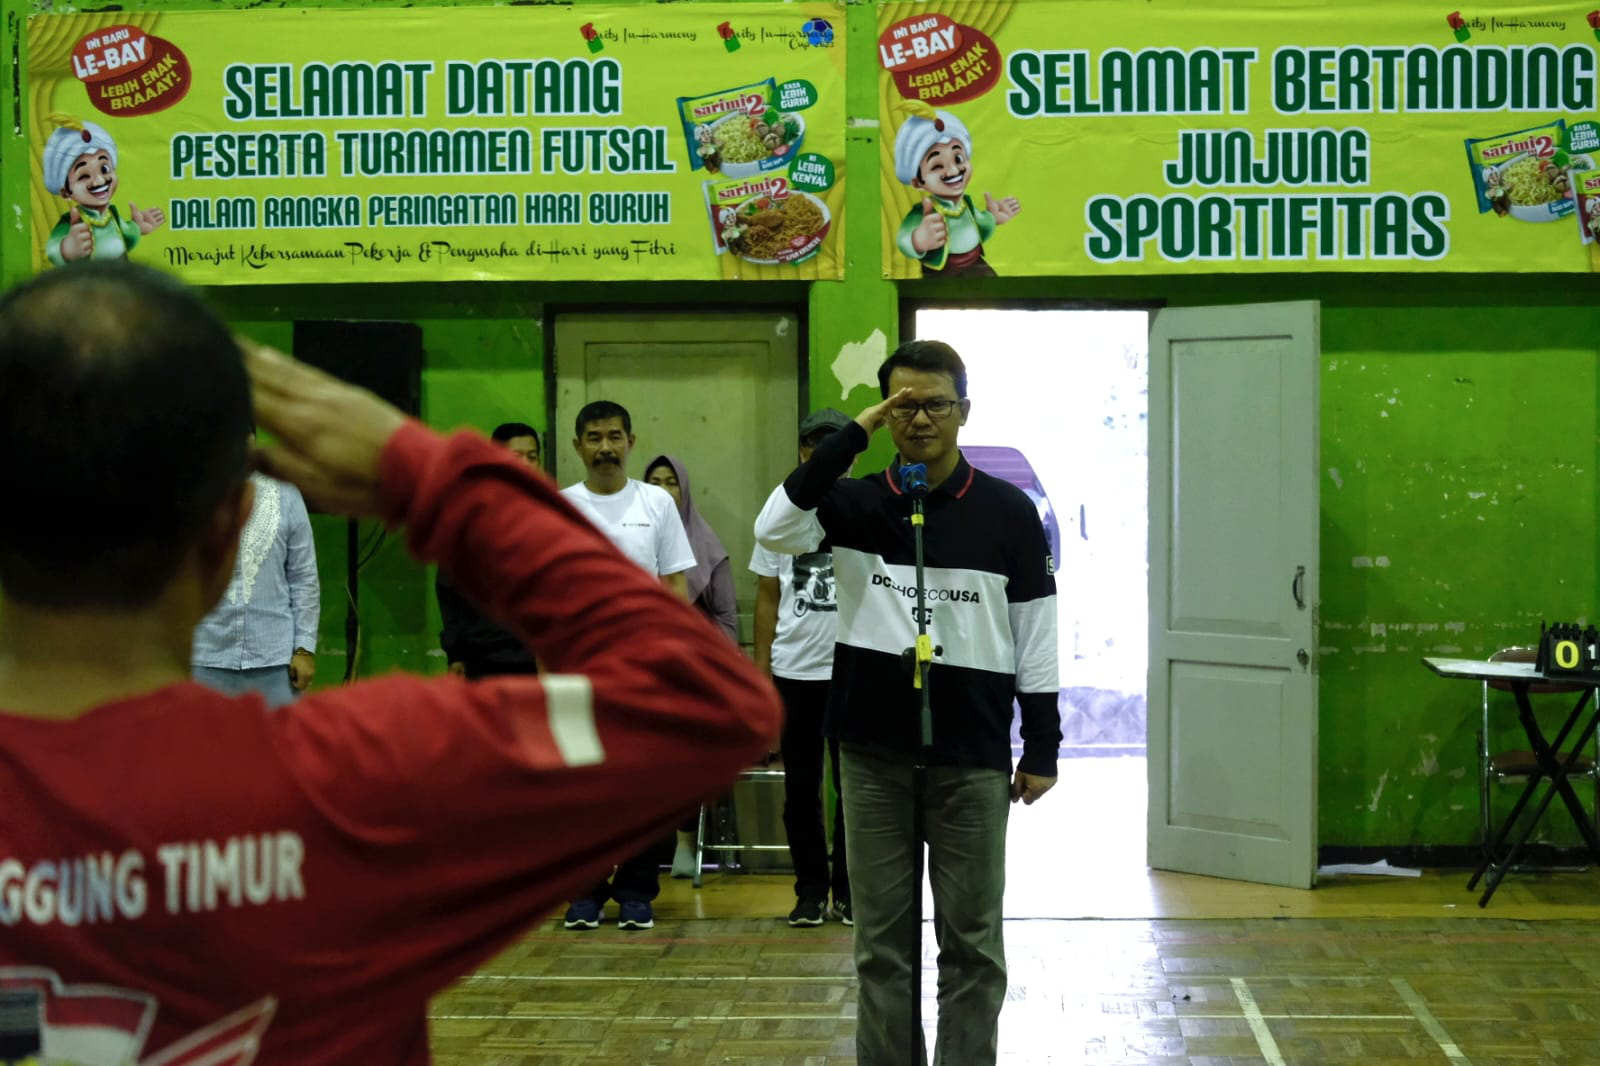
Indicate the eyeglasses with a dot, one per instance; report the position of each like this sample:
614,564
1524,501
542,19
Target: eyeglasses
938,410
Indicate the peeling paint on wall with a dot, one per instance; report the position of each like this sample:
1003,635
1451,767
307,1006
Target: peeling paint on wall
1450,492
857,363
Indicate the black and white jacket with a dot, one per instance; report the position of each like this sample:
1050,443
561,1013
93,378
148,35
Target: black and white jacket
991,598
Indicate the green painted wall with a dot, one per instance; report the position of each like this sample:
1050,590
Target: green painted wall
1459,442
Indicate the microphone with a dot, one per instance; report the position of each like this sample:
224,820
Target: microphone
914,480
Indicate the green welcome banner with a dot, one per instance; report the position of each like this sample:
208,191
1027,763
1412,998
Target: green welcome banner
638,142
1071,137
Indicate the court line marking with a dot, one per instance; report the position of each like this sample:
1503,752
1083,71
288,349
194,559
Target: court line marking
1175,979
1431,1024
650,1018
1257,1022
531,1017
1291,1017
850,979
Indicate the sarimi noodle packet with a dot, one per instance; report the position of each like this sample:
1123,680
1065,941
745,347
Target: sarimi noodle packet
739,133
1523,174
701,116
1586,183
765,219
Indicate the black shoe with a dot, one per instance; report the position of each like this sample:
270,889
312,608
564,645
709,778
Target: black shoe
635,914
583,914
841,911
808,912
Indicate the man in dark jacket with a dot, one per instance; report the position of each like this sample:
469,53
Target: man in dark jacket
991,617
474,644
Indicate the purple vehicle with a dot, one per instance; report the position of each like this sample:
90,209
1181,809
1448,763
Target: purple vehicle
1009,464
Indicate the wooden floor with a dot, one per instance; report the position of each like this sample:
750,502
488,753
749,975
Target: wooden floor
1109,963
1458,989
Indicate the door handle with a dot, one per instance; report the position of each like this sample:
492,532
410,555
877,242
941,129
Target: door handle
1297,587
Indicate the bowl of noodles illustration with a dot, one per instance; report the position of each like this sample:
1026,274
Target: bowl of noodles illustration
742,145
776,229
1532,188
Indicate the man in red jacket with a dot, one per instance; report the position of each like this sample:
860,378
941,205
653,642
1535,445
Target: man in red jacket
185,877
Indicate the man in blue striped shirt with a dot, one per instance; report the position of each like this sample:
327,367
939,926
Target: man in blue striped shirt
262,635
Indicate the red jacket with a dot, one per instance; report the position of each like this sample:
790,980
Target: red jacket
186,876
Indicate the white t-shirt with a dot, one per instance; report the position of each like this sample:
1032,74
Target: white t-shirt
808,613
642,521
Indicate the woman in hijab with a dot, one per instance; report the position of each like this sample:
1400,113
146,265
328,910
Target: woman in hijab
710,589
711,580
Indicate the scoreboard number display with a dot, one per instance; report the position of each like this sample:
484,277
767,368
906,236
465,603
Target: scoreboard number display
1568,648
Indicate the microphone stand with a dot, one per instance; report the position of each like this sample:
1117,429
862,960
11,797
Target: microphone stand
914,483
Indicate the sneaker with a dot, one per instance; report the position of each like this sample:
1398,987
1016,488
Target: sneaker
807,912
841,911
683,860
583,914
635,914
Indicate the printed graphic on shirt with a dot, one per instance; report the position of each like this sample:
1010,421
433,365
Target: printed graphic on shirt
966,612
255,543
813,583
183,877
46,1022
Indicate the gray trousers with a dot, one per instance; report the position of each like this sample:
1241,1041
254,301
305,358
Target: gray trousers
964,815
271,681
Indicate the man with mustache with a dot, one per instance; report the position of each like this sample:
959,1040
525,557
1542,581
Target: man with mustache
80,166
642,521
946,231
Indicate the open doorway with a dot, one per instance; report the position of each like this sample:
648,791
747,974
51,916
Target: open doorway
1060,408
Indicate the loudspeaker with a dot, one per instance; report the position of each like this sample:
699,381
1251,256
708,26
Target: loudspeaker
385,357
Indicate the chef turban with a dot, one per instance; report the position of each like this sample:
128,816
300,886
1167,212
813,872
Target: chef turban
72,139
919,133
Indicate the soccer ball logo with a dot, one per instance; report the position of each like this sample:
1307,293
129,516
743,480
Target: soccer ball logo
818,32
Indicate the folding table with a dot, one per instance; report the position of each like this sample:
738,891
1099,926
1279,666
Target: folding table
1554,760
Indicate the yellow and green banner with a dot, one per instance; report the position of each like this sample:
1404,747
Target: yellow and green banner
613,143
1075,137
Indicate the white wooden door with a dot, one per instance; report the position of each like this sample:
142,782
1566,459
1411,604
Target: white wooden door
1234,592
720,390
